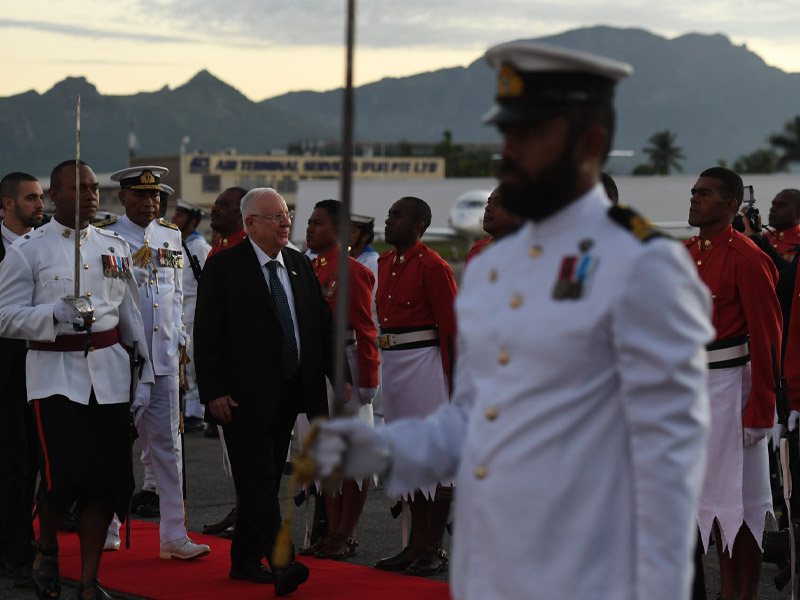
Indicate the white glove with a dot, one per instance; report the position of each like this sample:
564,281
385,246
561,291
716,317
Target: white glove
64,312
352,445
794,416
367,395
752,435
184,339
141,401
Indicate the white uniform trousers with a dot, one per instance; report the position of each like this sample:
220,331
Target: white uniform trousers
192,395
161,456
736,487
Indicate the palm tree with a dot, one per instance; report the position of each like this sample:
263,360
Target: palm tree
664,154
763,160
788,143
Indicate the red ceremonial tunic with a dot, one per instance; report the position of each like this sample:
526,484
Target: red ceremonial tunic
478,247
786,241
228,242
417,289
742,281
362,281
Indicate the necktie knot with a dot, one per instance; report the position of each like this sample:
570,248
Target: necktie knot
272,266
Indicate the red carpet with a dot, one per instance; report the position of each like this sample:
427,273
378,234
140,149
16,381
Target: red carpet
139,571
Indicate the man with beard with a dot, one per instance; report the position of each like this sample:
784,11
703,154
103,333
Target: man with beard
578,421
187,217
497,222
23,200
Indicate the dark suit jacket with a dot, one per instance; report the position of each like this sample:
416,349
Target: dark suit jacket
238,339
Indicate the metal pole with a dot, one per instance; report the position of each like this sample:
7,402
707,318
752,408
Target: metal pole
345,192
78,202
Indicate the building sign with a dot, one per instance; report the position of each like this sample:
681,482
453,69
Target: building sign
316,166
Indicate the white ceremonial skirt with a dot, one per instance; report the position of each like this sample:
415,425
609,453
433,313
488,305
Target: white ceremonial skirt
736,487
414,385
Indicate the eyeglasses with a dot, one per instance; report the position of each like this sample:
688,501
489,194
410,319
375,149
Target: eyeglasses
276,217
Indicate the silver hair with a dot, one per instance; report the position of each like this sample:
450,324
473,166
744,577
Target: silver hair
247,203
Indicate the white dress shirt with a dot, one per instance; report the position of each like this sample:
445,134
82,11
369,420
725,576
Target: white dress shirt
283,276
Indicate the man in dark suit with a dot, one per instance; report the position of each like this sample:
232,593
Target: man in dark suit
22,199
263,347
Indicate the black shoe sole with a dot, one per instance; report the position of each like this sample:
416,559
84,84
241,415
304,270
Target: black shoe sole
290,581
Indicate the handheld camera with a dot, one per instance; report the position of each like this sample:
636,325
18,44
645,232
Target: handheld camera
750,213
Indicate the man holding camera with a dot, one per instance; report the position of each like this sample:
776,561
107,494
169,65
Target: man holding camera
736,492
784,219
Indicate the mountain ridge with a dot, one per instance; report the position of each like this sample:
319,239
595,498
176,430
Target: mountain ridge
722,100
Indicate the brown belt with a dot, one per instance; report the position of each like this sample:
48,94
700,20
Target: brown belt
77,342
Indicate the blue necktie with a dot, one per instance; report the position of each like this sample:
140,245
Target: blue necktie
285,317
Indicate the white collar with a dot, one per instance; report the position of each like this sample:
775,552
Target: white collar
264,258
8,235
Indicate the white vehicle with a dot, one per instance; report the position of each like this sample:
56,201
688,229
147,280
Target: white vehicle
466,216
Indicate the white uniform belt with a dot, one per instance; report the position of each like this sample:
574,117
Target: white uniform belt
741,351
389,340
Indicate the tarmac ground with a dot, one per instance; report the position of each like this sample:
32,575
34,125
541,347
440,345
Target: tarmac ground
211,496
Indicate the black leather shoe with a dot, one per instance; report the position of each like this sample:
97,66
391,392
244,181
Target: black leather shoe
141,498
217,528
151,509
289,579
399,562
191,424
429,563
99,592
252,572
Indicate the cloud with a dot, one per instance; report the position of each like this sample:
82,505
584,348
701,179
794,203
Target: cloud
460,23
89,32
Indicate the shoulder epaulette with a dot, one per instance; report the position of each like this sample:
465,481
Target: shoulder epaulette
32,235
106,223
640,227
166,223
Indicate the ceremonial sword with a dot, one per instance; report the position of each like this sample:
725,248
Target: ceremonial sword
304,466
81,303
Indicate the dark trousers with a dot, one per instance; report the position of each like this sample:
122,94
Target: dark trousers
257,460
18,468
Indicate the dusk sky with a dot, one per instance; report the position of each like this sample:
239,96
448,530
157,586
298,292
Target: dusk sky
265,48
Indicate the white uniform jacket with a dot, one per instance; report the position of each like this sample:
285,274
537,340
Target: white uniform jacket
37,272
579,418
200,248
158,267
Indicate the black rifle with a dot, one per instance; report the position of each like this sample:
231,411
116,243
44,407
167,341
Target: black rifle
193,262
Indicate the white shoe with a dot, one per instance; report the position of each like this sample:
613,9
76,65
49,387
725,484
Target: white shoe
183,548
112,541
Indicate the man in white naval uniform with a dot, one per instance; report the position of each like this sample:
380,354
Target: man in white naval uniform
579,417
158,266
79,388
187,217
